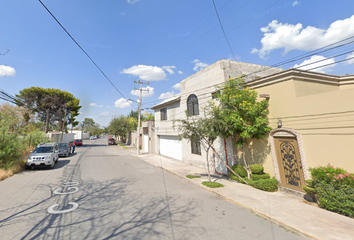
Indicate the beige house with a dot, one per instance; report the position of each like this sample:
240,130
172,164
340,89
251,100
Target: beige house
312,116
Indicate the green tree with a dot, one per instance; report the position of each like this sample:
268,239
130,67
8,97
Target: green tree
148,116
88,123
119,126
50,105
133,114
205,130
133,123
244,117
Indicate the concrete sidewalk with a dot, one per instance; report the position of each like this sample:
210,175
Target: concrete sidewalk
292,212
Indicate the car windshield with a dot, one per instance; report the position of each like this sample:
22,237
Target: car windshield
43,150
78,140
62,145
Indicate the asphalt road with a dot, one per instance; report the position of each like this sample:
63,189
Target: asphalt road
102,192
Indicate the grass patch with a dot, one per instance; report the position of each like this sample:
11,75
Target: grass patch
122,146
16,167
192,176
212,184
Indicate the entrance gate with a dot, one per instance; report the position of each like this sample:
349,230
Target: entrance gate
289,163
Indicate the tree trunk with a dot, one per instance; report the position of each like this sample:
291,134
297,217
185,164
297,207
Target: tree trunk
210,145
47,120
244,161
207,154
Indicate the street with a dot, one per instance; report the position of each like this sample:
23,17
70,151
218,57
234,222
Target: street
103,192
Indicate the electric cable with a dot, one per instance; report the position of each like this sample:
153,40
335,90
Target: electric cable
85,52
223,30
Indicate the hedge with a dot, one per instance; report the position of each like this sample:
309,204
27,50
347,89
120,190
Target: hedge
334,189
269,185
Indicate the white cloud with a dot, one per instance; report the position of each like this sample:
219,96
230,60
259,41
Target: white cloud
167,95
7,71
199,65
295,3
148,73
350,61
122,103
177,86
108,106
95,105
132,1
180,72
147,92
290,37
104,113
122,13
317,61
169,69
81,113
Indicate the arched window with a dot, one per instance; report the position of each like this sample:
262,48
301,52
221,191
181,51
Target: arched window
192,105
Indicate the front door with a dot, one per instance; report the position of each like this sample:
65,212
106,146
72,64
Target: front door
289,163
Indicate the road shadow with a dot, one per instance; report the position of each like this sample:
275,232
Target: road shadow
109,210
60,164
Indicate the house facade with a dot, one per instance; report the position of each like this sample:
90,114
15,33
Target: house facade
312,117
311,114
196,91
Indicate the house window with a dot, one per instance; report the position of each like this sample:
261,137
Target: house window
163,113
196,147
215,94
192,105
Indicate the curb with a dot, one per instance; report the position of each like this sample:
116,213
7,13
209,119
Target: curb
255,211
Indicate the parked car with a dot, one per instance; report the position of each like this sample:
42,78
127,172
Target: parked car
111,141
92,138
64,149
45,154
78,142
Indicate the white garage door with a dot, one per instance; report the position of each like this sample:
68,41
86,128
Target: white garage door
146,143
171,146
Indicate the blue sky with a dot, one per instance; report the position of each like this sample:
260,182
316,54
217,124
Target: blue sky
159,41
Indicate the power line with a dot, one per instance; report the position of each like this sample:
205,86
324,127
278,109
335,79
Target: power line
191,33
219,37
208,93
208,32
9,98
314,52
84,52
222,27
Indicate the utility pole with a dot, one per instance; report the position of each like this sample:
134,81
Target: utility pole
139,110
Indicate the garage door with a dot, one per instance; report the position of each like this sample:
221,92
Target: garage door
171,146
146,143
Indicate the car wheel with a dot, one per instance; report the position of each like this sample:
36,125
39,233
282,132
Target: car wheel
53,163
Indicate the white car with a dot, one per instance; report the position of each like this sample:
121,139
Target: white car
45,154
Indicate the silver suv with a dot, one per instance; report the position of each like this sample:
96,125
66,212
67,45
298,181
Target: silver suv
45,154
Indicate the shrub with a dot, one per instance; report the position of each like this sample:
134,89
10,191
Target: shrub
192,176
255,177
212,184
269,185
257,169
334,189
240,170
9,146
336,199
36,137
